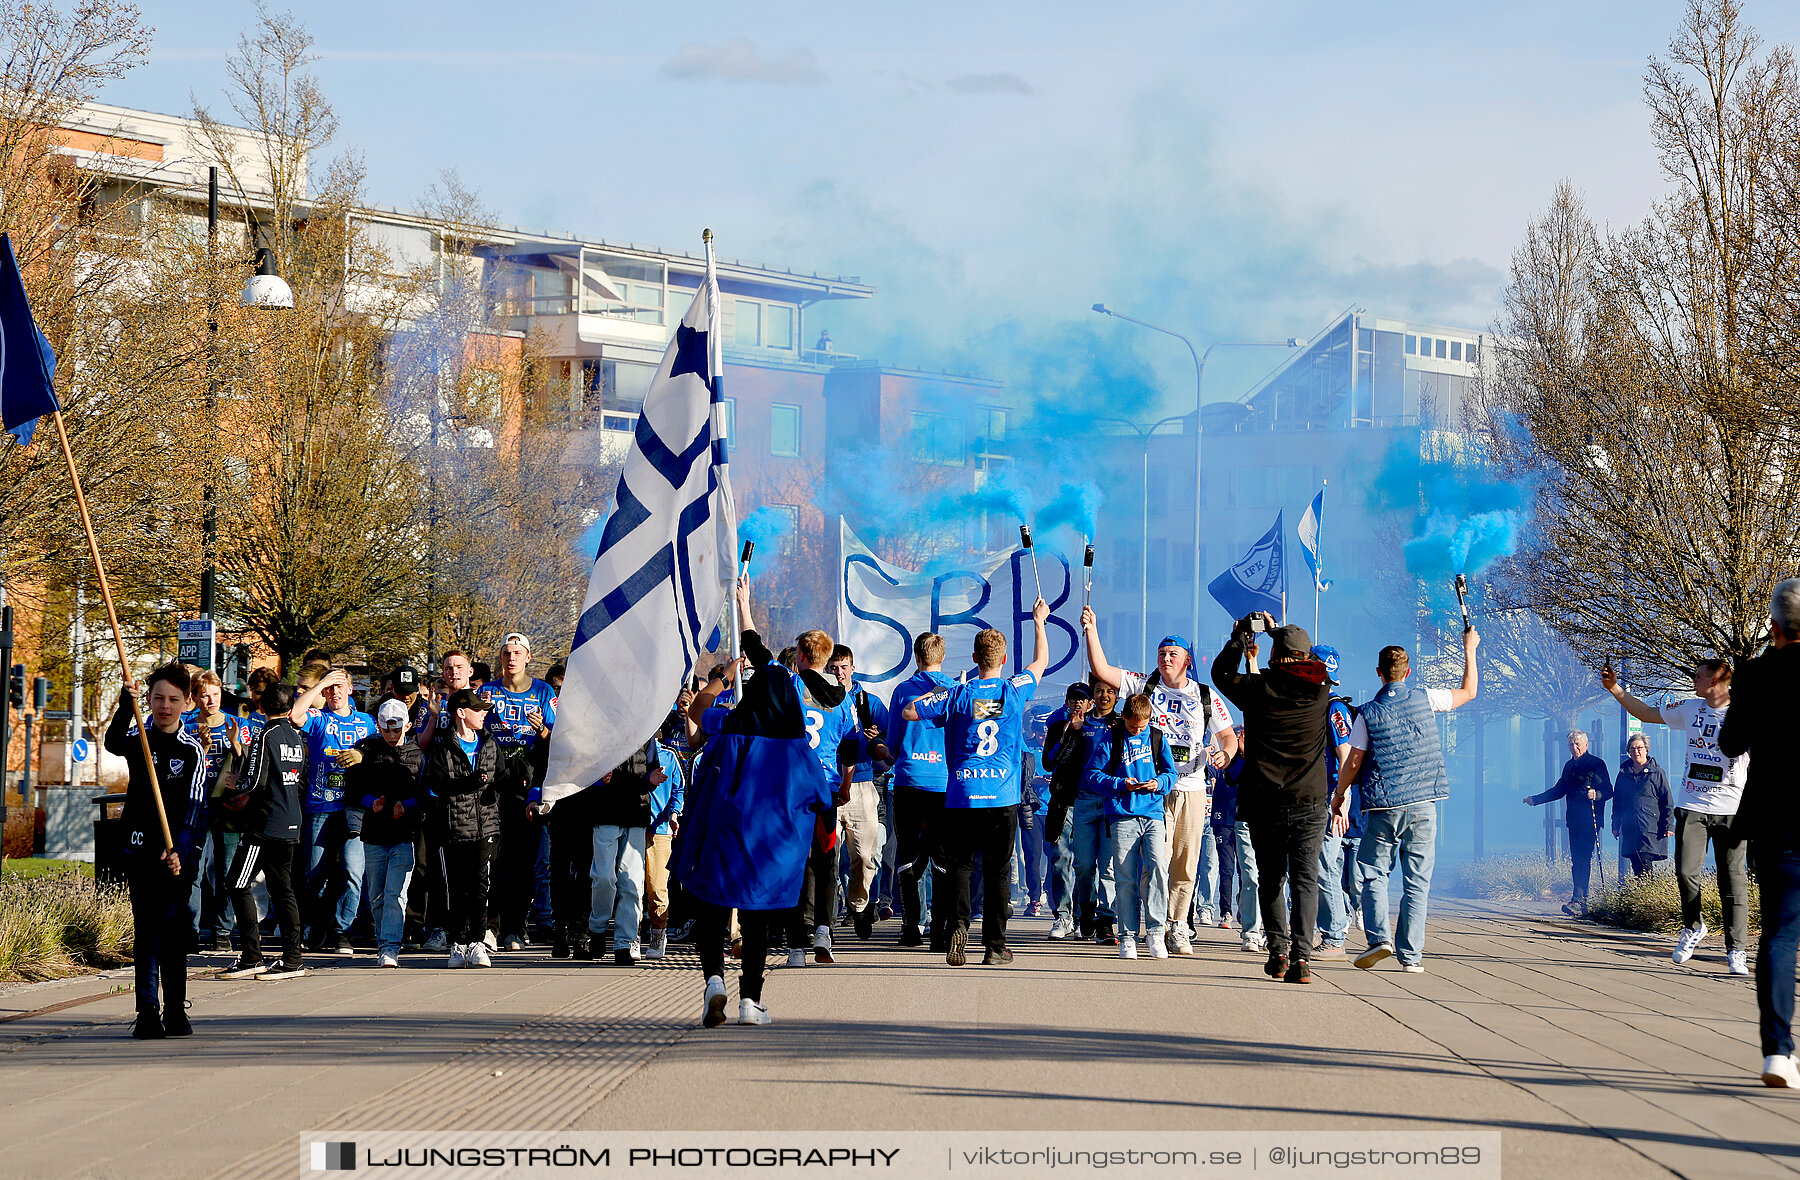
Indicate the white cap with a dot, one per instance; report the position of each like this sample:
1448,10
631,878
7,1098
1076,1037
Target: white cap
390,714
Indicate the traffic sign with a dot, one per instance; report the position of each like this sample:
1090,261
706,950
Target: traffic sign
58,715
194,641
82,749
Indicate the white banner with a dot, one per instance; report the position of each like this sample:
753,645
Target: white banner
883,607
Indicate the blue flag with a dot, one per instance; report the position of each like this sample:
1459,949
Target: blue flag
1310,524
26,362
1258,581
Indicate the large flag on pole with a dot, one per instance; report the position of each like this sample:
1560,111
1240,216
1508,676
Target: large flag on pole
1310,524
27,365
665,566
1258,581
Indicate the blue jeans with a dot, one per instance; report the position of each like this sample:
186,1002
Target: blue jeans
1139,850
1061,846
388,870
1409,835
324,869
1031,860
1337,864
1093,857
1778,876
1249,910
1206,886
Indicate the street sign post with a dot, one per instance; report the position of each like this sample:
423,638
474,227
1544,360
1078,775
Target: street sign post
195,641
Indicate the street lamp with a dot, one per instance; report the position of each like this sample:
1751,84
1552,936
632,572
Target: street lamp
265,289
1200,359
1144,433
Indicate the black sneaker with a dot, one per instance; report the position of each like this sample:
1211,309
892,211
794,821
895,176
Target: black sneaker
175,1024
244,969
997,956
342,946
580,949
560,949
1298,972
865,922
1103,934
1277,965
1085,929
284,970
910,936
957,954
622,958
148,1027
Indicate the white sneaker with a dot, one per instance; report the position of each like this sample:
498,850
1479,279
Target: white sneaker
1127,946
797,957
1254,942
635,949
1781,1073
1159,947
822,945
386,959
1413,968
1736,964
459,956
712,1004
1689,942
659,944
1181,943
488,940
751,1012
514,943
1207,919
478,956
1061,928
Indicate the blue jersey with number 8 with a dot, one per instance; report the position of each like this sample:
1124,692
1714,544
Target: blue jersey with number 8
984,738
826,727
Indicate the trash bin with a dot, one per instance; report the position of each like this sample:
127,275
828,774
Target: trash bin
110,849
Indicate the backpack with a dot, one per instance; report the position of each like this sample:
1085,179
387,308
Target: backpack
1118,746
1206,712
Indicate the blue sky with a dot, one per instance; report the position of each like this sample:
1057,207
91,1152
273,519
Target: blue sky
1234,171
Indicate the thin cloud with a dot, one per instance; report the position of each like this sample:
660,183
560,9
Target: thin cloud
738,61
1000,83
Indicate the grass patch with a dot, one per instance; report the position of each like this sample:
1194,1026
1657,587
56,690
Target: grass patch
43,866
1653,903
1516,877
61,923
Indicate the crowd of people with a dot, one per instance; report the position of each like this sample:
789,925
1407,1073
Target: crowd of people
779,800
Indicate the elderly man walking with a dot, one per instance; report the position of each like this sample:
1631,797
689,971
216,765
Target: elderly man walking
1762,723
1584,787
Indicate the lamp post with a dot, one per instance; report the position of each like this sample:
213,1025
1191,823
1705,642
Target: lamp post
265,289
1144,434
1200,359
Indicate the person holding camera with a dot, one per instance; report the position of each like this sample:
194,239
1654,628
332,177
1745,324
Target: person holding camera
1282,789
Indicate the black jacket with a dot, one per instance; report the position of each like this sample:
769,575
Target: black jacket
1642,810
274,778
465,799
1762,722
180,772
1285,711
387,775
625,799
1580,775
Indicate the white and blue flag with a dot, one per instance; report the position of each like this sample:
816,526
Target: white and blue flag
665,567
1258,581
1310,523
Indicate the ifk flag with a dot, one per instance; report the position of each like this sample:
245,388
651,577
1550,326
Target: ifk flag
1258,581
665,568
26,362
1310,524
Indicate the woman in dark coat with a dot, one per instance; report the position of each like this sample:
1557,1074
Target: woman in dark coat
1642,814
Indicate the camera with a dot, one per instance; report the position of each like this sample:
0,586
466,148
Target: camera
1256,624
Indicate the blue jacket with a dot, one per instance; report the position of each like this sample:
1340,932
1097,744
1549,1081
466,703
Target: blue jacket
1141,758
667,800
1406,760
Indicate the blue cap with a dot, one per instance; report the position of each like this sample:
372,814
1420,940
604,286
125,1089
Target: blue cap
1184,645
1327,656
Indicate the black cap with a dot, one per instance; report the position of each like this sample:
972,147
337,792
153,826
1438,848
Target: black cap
468,698
406,679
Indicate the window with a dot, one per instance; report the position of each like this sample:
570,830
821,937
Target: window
784,431
996,426
747,333
1365,340
679,302
623,384
1157,569
730,404
1294,485
640,280
1412,345
1442,344
624,423
778,326
937,439
1456,350
1469,353
1250,487
1424,346
789,544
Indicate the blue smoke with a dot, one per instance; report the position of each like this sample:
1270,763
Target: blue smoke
1465,518
764,527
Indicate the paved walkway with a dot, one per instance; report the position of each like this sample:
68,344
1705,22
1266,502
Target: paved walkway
1586,1048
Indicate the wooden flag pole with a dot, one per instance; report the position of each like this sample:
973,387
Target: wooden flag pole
112,617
